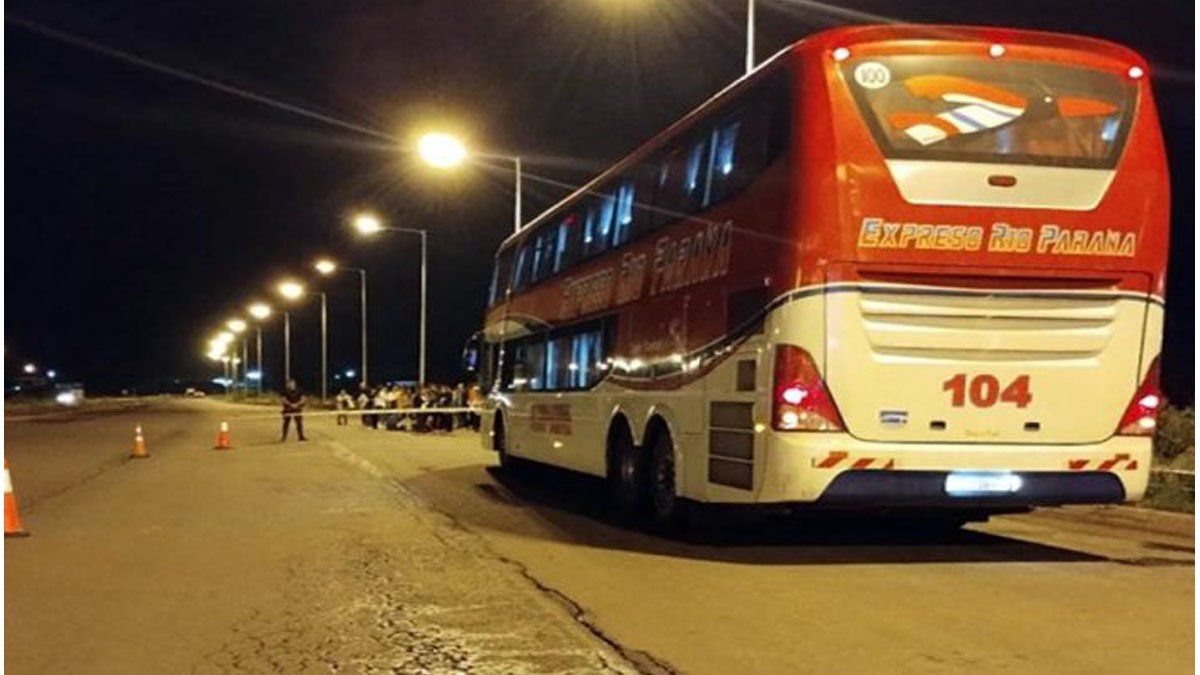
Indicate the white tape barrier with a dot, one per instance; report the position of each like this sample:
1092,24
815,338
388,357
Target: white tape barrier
355,412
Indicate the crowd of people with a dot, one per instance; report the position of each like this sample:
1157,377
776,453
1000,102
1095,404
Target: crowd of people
396,407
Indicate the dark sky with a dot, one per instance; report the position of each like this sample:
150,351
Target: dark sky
141,209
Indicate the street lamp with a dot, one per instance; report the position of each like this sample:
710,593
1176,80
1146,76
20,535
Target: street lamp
749,36
368,224
365,223
260,311
292,291
443,151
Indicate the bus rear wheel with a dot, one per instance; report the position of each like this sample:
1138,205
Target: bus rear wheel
626,474
669,511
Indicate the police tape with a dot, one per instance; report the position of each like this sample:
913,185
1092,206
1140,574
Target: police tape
352,412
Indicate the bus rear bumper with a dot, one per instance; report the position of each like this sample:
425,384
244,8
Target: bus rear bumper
838,470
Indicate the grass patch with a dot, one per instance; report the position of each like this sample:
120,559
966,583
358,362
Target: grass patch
1174,448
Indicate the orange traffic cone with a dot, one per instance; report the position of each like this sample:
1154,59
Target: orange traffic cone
223,437
12,521
139,444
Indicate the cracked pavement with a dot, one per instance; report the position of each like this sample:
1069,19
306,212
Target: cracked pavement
271,558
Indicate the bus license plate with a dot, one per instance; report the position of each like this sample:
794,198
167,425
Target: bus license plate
975,483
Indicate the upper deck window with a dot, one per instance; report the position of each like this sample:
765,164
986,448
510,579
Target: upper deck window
992,110
597,226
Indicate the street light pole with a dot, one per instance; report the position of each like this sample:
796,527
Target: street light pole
749,36
517,193
259,360
287,347
368,224
324,349
245,366
424,287
362,279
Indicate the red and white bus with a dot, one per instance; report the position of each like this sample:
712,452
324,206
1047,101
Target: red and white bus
895,267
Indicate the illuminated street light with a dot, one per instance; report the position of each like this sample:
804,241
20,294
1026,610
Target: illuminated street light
236,325
291,290
225,336
29,369
444,151
259,310
367,223
441,150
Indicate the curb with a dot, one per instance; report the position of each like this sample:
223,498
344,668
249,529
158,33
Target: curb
1127,518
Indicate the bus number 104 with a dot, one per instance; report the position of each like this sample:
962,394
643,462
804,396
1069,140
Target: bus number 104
983,391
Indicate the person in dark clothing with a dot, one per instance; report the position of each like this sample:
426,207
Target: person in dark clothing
293,401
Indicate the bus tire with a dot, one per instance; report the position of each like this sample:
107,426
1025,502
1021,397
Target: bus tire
507,462
626,472
669,512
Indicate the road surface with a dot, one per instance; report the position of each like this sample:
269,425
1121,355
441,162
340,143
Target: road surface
373,551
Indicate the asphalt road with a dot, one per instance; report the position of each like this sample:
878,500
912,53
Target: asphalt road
373,551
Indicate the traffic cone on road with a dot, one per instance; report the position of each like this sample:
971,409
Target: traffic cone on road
139,444
223,437
12,521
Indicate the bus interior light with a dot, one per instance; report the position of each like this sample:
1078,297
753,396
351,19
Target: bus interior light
802,402
1141,417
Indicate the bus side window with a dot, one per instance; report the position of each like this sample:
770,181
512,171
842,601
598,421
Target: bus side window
566,248
587,358
544,245
668,187
536,245
532,364
558,363
597,227
521,269
500,277
624,211
727,166
695,177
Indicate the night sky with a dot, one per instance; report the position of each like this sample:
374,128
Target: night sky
141,210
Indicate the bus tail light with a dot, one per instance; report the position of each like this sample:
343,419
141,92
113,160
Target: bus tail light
802,402
1141,417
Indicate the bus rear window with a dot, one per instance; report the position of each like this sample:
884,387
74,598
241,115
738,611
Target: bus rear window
992,110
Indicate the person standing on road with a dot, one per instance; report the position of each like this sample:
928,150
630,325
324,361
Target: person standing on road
294,401
344,402
364,402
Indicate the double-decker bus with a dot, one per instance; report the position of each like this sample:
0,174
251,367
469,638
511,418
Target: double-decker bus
895,267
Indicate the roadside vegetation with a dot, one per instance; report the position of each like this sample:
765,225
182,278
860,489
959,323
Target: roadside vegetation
1174,449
